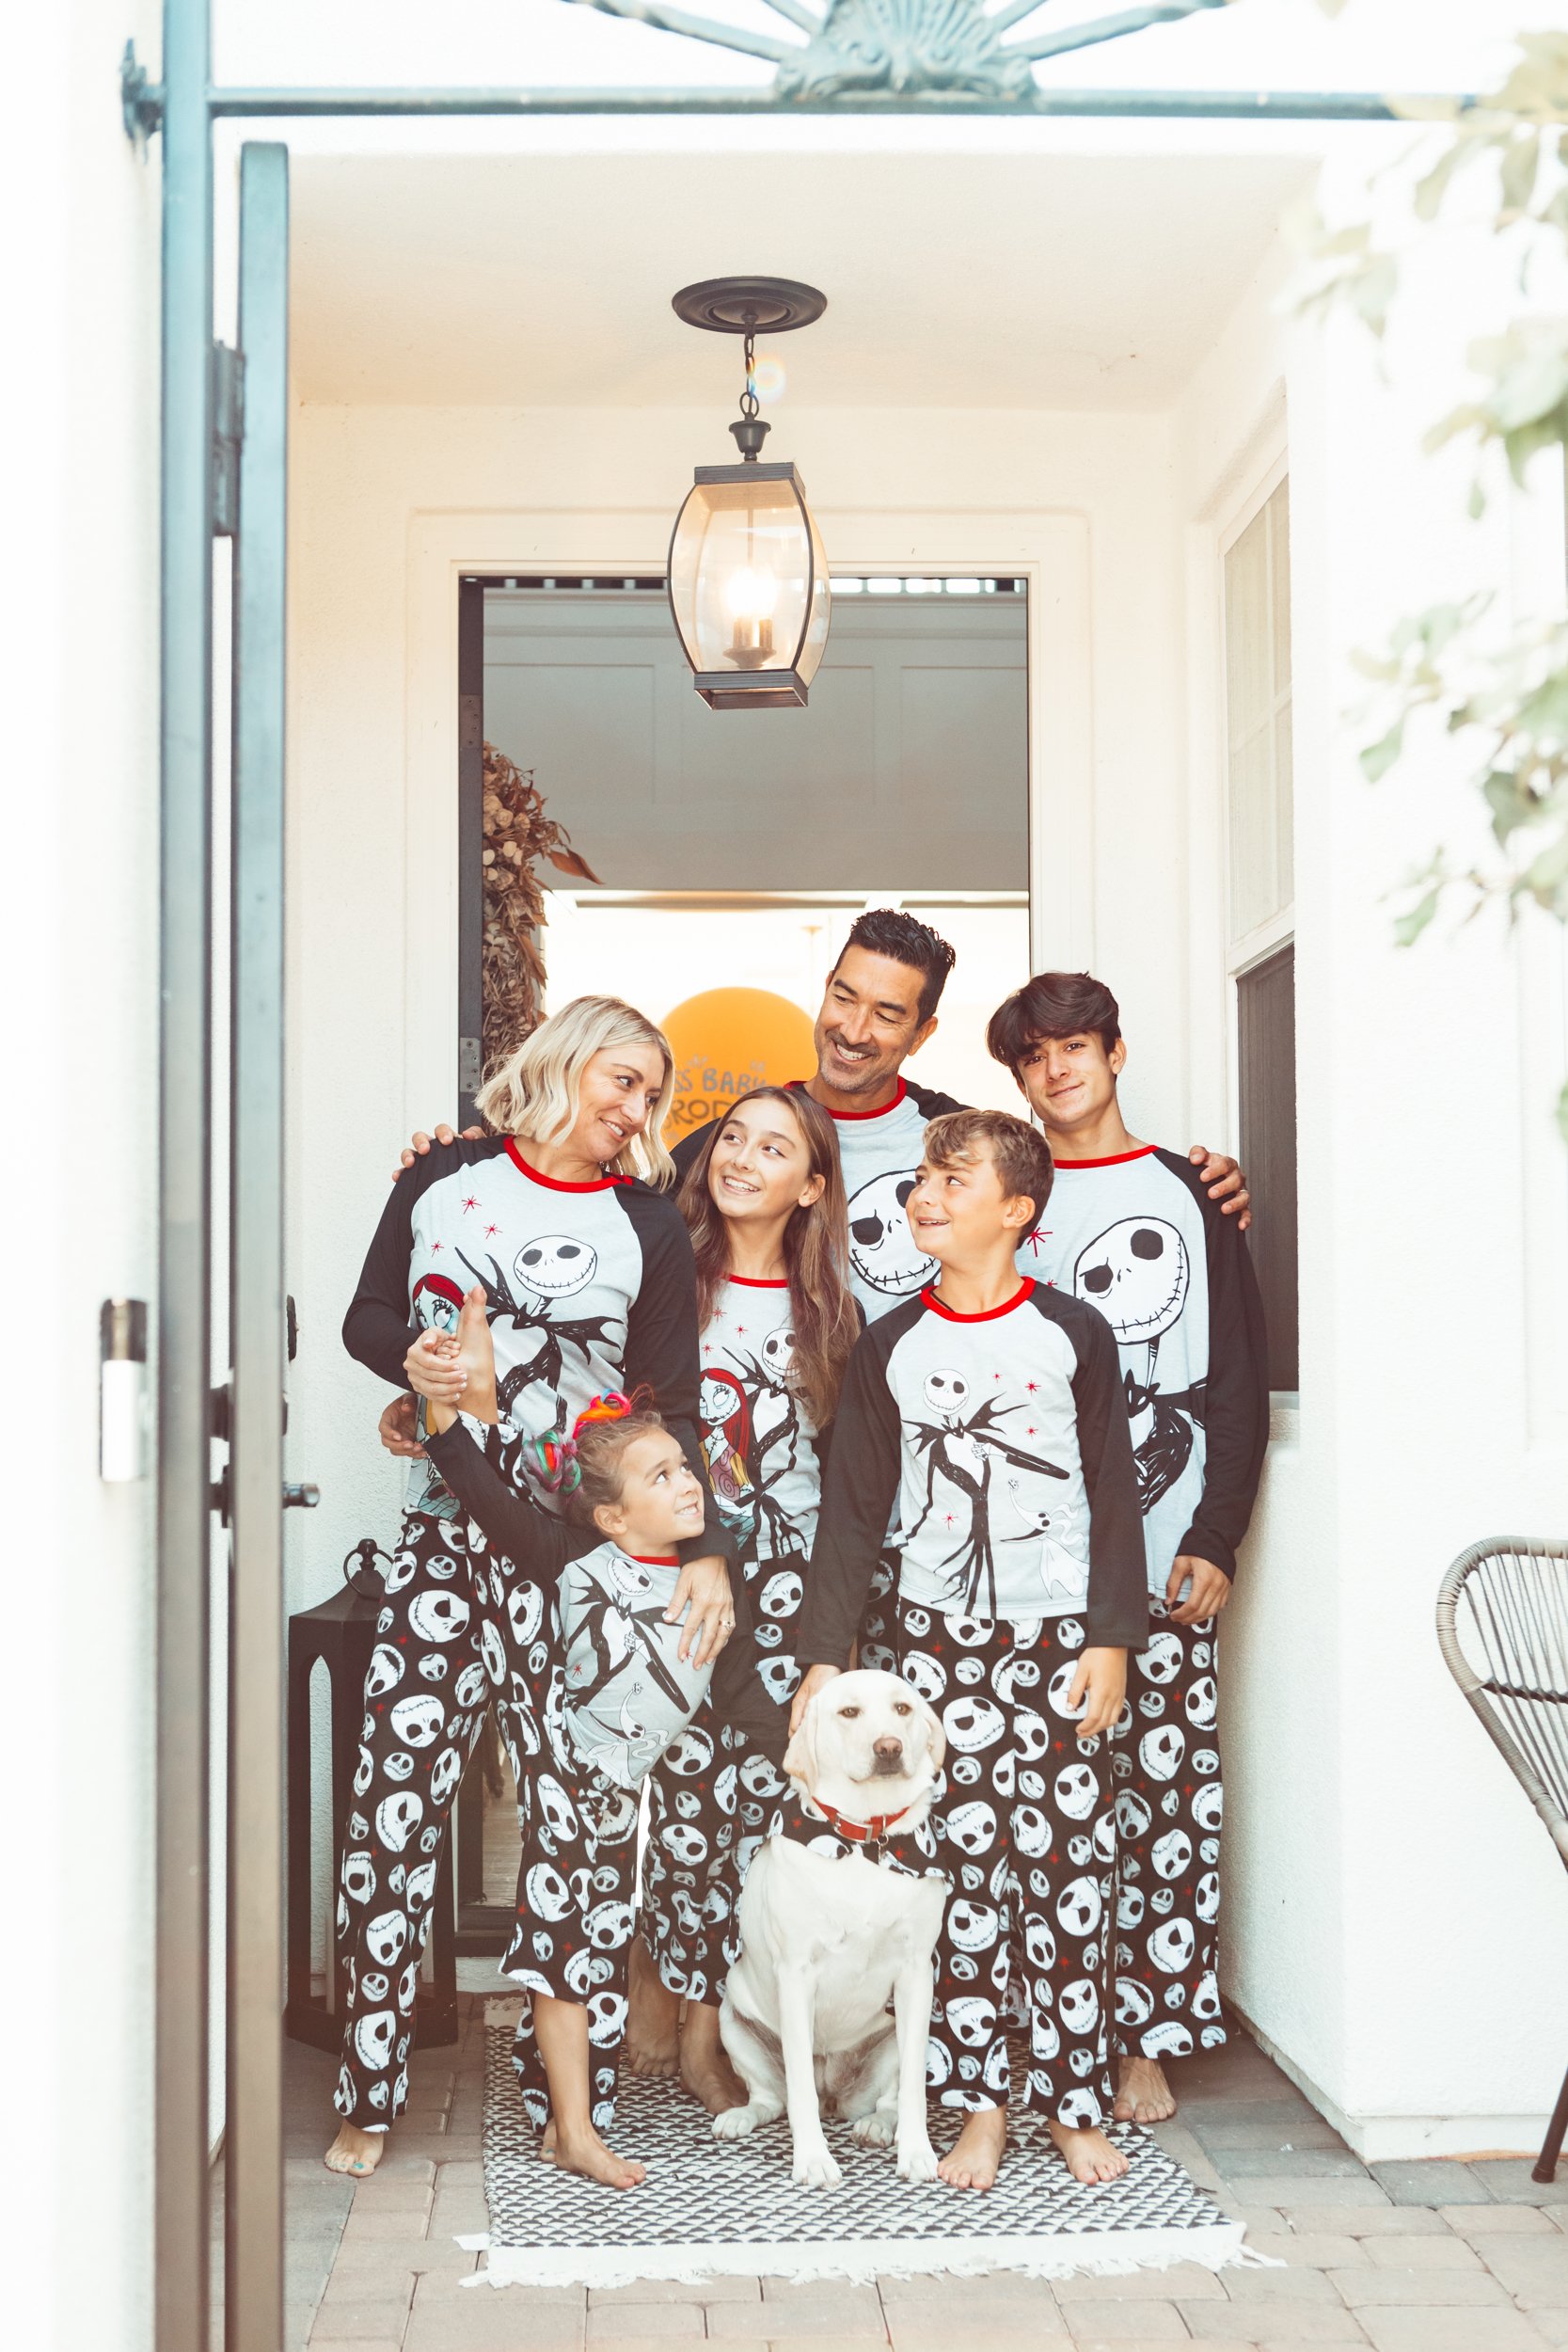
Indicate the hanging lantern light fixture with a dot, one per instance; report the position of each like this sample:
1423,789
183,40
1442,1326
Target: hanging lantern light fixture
747,574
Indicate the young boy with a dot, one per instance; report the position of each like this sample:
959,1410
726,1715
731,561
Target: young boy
991,1407
1132,1230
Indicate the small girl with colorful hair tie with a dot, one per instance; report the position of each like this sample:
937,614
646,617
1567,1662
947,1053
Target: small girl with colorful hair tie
597,1689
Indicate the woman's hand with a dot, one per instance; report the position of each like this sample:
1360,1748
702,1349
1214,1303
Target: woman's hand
705,1585
1208,1589
435,1368
1101,1683
816,1678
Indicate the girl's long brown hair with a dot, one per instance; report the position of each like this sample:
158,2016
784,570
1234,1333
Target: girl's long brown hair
823,1313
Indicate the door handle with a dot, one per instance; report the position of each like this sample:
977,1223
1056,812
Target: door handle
300,1498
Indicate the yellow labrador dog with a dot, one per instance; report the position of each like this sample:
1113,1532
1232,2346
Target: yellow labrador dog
838,1915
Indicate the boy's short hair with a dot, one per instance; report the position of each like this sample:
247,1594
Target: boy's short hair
1019,1153
889,931
1053,1004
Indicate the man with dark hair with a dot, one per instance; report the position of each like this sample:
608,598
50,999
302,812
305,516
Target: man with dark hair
879,1008
1131,1231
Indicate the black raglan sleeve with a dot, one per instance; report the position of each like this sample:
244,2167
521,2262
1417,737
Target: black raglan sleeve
1236,1392
378,1329
930,1102
661,1350
538,1544
858,1489
1117,1613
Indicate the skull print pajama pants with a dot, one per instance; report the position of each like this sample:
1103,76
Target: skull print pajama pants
1165,1772
443,1641
1025,1827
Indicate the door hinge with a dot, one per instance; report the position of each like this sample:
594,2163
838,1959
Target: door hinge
471,1063
470,722
228,427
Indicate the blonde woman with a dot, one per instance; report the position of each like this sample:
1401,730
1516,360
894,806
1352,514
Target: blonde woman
562,1218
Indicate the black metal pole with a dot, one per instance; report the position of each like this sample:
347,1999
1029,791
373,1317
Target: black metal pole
184,1250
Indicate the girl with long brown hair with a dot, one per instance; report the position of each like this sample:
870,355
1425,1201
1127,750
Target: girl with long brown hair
763,1201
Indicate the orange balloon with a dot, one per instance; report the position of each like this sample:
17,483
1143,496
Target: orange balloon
726,1041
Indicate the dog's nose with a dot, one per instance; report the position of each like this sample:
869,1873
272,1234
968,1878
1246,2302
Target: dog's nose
889,1752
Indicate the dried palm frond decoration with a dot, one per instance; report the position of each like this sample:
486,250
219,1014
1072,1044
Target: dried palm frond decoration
517,834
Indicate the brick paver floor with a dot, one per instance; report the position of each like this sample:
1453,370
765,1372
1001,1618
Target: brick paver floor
1440,2257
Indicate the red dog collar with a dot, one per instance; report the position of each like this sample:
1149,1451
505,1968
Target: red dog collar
858,1833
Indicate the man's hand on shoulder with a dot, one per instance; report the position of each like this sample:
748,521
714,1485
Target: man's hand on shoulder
1222,1178
422,1143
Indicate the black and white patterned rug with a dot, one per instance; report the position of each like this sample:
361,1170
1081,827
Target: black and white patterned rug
711,2208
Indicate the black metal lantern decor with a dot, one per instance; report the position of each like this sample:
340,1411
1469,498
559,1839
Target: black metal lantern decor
748,576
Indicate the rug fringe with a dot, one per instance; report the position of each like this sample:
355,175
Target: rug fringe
1217,2247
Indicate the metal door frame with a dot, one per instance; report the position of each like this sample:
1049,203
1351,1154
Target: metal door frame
183,110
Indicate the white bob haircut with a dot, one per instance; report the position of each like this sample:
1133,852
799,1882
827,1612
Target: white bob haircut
533,1093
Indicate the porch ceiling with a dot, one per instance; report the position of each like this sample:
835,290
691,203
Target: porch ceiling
962,280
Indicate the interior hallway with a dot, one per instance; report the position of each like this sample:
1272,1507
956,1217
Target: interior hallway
1436,2257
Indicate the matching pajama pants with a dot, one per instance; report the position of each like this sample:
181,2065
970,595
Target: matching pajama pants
445,1641
1025,1825
1165,1772
462,1630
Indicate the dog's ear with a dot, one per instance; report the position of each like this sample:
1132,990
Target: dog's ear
800,1761
938,1736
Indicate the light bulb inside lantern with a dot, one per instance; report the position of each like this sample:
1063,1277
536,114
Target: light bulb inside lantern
750,594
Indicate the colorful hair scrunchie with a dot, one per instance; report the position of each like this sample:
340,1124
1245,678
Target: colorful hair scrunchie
556,1464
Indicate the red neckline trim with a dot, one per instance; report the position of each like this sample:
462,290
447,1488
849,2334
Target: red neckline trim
554,1183
760,1281
650,1560
903,1090
986,1315
1117,1159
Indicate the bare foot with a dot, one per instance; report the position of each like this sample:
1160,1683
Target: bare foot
706,2069
1088,2155
1143,2094
652,2026
974,2158
546,2142
354,2152
586,2153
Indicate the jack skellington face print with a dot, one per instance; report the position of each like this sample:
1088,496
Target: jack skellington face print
554,1266
962,1444
883,1252
1138,1275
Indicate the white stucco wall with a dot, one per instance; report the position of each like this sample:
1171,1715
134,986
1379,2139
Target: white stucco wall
78,418
1394,1909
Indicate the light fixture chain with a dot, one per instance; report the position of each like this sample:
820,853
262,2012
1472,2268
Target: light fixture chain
749,402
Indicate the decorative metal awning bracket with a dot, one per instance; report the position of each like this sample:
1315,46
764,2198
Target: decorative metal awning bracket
847,67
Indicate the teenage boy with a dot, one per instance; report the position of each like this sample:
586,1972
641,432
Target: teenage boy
990,1409
1131,1230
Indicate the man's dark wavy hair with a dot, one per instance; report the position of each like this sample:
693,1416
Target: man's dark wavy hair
1053,1004
885,931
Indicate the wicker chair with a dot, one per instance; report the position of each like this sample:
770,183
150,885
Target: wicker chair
1502,1625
